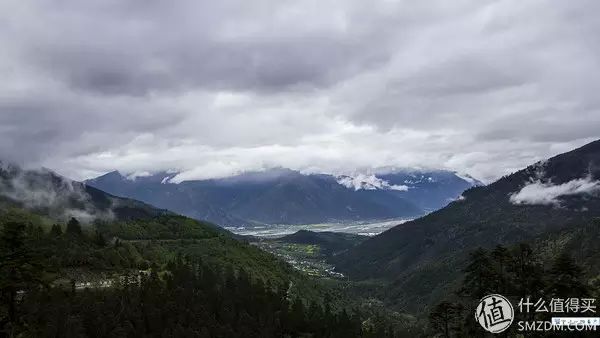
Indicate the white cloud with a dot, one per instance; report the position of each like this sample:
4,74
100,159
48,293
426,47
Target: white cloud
368,182
468,178
547,193
134,175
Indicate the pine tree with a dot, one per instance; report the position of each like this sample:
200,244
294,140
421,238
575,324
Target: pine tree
56,231
446,318
480,277
527,272
73,227
502,259
20,266
566,278
298,315
99,239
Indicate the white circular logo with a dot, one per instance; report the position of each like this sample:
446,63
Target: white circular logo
494,313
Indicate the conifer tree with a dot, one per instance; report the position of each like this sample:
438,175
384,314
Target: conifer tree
56,230
501,258
446,318
99,239
528,273
74,227
480,277
566,278
20,266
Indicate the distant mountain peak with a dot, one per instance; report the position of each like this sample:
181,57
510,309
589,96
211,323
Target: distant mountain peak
111,174
116,176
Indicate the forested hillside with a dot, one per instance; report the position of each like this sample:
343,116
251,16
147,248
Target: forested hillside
72,282
46,193
419,261
542,270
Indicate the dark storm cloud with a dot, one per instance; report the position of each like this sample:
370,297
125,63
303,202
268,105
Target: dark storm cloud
211,88
256,67
40,125
188,45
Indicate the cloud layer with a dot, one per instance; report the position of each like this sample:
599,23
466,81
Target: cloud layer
541,193
214,88
368,182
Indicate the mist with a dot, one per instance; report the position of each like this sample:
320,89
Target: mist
43,190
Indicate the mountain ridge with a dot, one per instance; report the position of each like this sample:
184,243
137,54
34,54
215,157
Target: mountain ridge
431,245
47,193
284,196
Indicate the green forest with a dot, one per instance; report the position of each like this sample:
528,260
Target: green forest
129,279
517,272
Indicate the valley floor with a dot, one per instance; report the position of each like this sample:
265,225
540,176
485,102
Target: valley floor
363,228
307,258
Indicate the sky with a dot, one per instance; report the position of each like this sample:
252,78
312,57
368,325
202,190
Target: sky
214,88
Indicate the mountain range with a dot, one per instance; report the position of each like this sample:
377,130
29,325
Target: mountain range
284,196
421,260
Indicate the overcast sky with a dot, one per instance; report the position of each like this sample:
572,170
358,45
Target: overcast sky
212,88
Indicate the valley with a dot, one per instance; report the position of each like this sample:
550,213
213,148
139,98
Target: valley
307,247
307,258
310,251
310,254
362,228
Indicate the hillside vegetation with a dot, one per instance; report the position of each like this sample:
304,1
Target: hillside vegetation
420,261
